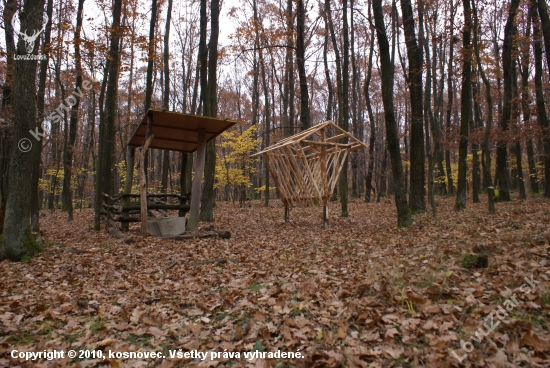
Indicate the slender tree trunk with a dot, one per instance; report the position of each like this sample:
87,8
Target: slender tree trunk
429,123
355,90
465,107
439,87
344,122
74,101
330,88
149,77
486,162
267,125
414,53
372,139
450,184
166,102
105,157
517,147
476,166
288,95
502,172
545,23
387,71
541,108
525,104
35,205
208,199
300,58
130,151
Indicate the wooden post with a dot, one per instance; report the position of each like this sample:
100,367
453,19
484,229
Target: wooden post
287,213
196,191
323,167
183,181
143,175
128,185
143,186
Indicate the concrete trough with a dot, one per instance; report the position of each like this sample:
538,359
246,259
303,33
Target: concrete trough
166,226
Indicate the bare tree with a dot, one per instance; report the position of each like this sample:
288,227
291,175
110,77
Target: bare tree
387,70
414,52
502,172
465,106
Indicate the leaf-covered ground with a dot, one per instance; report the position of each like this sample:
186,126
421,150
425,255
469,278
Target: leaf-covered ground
360,294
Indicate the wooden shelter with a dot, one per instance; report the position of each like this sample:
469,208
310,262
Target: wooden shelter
174,131
306,166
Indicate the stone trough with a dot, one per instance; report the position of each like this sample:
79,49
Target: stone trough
166,226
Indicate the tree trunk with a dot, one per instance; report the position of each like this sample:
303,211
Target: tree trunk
35,206
429,123
526,104
166,102
486,162
74,101
344,122
208,199
288,95
355,90
330,88
414,54
465,107
387,71
105,157
10,7
450,184
300,58
476,171
267,125
17,240
372,139
541,108
545,23
517,148
502,172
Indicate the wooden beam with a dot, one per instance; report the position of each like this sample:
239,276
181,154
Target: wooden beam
327,144
196,192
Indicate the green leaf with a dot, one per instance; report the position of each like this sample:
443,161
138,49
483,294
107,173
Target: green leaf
257,346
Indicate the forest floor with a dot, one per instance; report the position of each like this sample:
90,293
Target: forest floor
362,293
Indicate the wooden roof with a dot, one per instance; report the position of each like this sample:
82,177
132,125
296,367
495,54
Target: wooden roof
174,131
309,138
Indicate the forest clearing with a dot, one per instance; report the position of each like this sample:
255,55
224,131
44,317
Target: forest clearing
262,183
362,293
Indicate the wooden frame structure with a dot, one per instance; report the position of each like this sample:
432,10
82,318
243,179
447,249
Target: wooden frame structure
174,131
306,166
123,207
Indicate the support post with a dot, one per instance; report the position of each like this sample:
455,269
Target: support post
143,186
287,213
143,175
323,166
183,181
196,191
131,152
